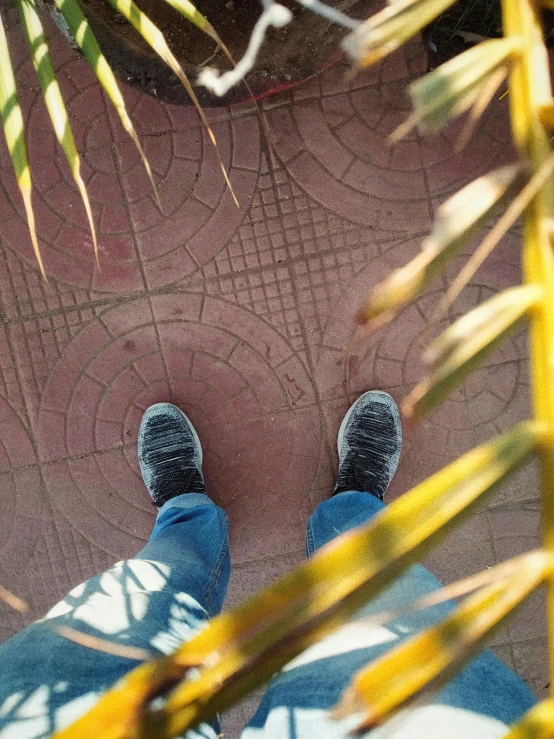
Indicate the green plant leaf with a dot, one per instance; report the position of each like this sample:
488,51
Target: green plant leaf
430,659
458,85
240,649
54,101
14,131
81,30
389,29
490,86
457,352
155,38
190,12
455,225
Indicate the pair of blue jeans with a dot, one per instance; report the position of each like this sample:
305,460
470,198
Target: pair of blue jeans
171,589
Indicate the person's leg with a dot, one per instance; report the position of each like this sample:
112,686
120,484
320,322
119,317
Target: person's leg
152,602
480,702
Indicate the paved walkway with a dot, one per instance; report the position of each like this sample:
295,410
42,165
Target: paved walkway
240,316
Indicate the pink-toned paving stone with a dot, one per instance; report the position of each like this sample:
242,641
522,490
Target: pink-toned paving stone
242,317
140,243
251,400
336,147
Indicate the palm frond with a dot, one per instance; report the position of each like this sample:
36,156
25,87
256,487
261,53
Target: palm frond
54,102
388,30
459,350
240,649
155,39
458,85
84,36
14,131
430,659
456,223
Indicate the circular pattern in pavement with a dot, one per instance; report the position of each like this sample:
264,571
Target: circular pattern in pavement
492,399
336,146
484,396
21,503
139,244
245,390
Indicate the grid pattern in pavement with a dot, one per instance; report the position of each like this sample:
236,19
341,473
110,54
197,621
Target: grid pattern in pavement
241,316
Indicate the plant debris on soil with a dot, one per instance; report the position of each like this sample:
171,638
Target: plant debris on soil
288,55
468,22
464,24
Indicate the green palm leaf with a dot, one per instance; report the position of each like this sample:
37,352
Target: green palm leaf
459,84
155,38
14,131
81,30
188,11
54,102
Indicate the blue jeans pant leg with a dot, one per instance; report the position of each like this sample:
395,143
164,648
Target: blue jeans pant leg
480,703
154,601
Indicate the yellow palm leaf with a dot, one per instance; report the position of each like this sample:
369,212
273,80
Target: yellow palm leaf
430,659
386,31
14,601
455,225
244,647
538,723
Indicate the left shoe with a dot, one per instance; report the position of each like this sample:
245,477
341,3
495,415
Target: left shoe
169,453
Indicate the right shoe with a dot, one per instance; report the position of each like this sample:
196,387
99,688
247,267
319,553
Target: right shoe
169,453
369,444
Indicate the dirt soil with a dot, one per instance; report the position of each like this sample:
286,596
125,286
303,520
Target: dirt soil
289,55
443,37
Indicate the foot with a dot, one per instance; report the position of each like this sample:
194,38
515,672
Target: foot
169,452
369,443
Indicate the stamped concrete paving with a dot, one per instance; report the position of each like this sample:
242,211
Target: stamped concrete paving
240,316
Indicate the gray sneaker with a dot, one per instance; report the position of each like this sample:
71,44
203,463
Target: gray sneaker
369,443
170,454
